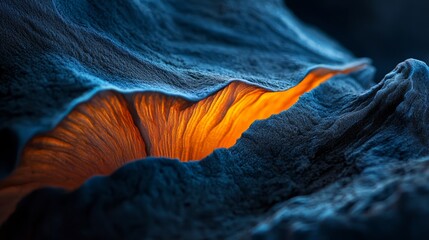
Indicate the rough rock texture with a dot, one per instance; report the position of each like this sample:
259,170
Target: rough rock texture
348,161
347,166
62,51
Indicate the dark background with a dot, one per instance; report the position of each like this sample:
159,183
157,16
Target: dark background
387,31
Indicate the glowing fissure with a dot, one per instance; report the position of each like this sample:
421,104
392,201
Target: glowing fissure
111,129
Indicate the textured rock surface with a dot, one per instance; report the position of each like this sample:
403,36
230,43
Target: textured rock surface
347,166
348,161
63,51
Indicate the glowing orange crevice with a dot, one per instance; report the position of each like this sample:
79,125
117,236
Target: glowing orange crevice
111,129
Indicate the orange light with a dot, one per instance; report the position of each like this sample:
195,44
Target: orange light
101,135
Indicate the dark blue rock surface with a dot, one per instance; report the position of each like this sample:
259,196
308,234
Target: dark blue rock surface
55,54
349,166
348,161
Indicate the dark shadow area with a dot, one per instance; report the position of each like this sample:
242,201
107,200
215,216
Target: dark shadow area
8,148
387,31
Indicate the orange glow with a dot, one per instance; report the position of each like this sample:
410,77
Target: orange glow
111,129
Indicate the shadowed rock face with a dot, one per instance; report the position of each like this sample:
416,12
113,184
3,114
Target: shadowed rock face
88,92
112,129
64,52
337,167
116,82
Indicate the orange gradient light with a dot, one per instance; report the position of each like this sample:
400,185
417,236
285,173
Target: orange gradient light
112,129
